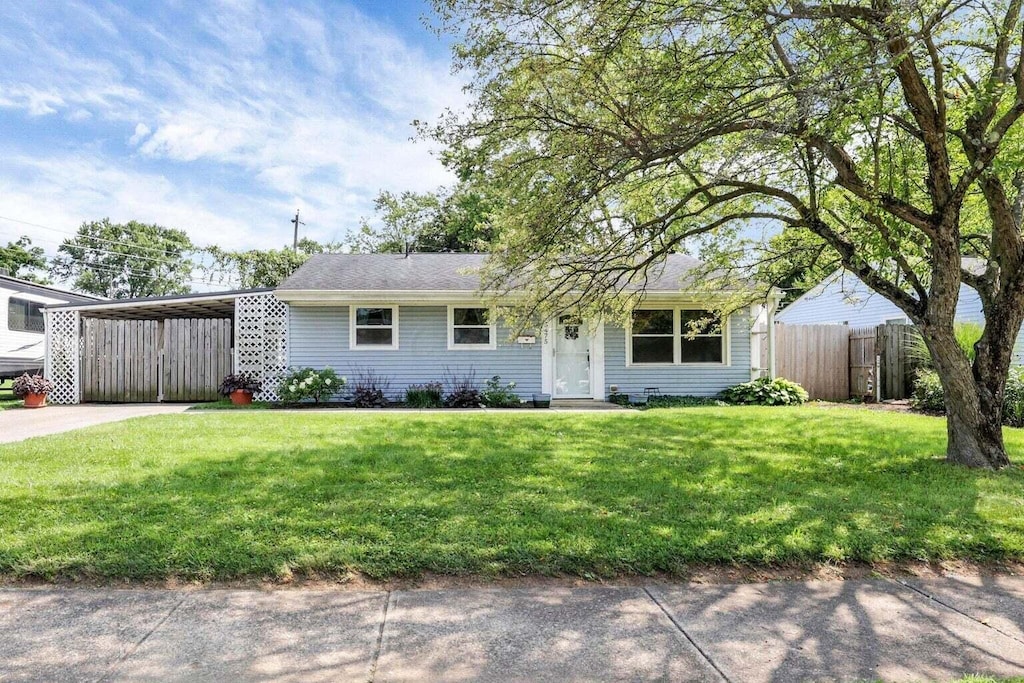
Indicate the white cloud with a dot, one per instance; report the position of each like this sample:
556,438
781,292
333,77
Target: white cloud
231,122
142,131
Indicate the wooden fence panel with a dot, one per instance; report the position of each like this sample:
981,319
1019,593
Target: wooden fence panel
144,361
118,360
815,356
197,355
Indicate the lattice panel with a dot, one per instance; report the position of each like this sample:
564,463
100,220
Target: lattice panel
63,357
261,340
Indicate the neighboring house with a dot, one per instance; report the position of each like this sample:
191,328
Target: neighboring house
417,318
842,298
21,327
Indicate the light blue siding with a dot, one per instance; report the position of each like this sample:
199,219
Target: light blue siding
319,337
678,380
843,298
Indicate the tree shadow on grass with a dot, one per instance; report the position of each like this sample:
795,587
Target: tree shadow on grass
585,495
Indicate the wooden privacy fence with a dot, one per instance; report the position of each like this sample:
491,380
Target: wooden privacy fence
836,362
197,355
816,357
121,361
144,361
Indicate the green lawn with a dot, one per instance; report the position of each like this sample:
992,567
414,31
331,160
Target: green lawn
7,398
226,494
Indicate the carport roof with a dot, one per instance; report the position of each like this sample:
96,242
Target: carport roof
207,305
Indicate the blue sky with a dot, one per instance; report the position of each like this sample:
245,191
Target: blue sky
220,118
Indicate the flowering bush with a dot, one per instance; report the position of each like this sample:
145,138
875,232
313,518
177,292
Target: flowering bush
31,384
304,383
496,395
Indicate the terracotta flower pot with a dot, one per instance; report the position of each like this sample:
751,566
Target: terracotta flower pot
35,400
240,397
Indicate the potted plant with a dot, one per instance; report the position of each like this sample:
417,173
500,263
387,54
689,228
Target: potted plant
240,387
32,388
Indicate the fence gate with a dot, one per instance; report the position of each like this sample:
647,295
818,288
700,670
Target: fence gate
145,361
197,355
815,356
896,374
120,361
862,362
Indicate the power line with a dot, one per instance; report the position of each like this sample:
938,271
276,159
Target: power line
106,268
75,234
105,251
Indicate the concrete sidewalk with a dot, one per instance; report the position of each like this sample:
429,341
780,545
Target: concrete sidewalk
20,424
901,630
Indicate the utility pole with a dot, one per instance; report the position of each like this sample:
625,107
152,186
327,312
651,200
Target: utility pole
295,240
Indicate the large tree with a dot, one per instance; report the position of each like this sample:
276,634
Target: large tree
21,259
618,131
447,219
252,268
126,260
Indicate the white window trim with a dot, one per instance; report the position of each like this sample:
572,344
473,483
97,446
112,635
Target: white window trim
372,347
492,335
677,334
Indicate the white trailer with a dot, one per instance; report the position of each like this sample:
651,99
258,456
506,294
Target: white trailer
22,329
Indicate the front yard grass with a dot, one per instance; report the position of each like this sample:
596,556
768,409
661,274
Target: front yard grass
231,494
7,397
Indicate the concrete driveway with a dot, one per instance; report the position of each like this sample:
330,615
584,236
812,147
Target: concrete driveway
891,630
21,423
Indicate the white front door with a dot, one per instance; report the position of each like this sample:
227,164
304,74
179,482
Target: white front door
572,366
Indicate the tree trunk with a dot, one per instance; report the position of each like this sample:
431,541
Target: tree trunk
974,435
974,403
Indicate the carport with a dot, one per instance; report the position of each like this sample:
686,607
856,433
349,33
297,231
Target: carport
170,348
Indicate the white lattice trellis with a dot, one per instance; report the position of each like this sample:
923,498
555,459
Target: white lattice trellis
261,340
63,358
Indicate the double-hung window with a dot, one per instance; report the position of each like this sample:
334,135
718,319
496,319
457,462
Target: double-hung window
374,327
653,336
470,328
701,339
24,316
674,336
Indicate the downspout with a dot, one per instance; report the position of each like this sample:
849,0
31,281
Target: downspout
773,303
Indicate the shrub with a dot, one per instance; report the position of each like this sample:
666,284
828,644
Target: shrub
243,381
305,383
496,395
31,384
766,392
1013,401
370,390
461,392
928,395
427,395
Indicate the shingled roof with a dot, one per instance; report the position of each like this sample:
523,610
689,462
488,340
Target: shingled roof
431,273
